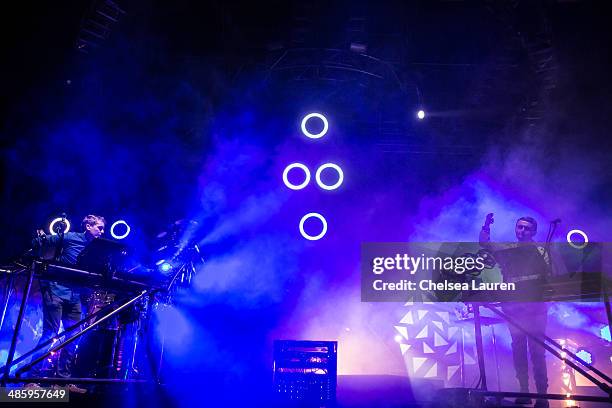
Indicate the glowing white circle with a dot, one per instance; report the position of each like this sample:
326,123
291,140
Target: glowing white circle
421,114
306,178
581,233
311,237
322,132
332,166
55,221
112,229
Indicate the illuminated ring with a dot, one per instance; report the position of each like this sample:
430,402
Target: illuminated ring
320,134
306,179
112,229
310,237
333,166
55,221
579,232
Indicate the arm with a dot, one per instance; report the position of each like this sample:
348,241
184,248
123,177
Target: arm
44,246
484,238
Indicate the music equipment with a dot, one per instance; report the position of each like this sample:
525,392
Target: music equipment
522,263
74,276
305,371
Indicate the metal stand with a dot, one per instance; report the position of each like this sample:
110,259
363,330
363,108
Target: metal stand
8,292
494,341
479,346
24,301
551,346
79,334
10,362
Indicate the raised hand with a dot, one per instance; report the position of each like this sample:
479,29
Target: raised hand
488,221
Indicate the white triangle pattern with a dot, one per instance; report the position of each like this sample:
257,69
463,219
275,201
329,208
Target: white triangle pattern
422,334
439,341
432,372
417,362
403,331
407,319
427,349
451,371
451,350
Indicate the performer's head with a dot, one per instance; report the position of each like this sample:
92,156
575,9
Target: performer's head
525,229
93,225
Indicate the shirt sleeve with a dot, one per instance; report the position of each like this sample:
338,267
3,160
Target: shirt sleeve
44,243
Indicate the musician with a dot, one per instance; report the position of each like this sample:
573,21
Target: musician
531,316
62,302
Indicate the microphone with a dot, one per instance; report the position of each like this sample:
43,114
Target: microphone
60,227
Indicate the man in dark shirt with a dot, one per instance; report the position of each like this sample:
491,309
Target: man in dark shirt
63,302
532,316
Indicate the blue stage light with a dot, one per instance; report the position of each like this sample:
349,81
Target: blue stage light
605,333
314,135
120,222
582,234
323,230
421,114
165,267
306,176
329,166
585,356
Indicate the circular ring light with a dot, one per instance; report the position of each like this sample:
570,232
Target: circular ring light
55,221
317,135
313,237
582,234
306,178
329,166
120,222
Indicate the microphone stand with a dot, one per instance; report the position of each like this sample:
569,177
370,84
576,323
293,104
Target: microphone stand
60,228
552,228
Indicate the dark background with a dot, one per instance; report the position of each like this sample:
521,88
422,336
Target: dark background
95,132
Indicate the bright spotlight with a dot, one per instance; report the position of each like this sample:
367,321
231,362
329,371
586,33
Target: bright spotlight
421,114
164,266
398,338
120,222
582,234
55,221
314,135
605,333
332,166
306,176
313,237
585,356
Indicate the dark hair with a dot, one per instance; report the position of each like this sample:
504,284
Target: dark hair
92,220
530,220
